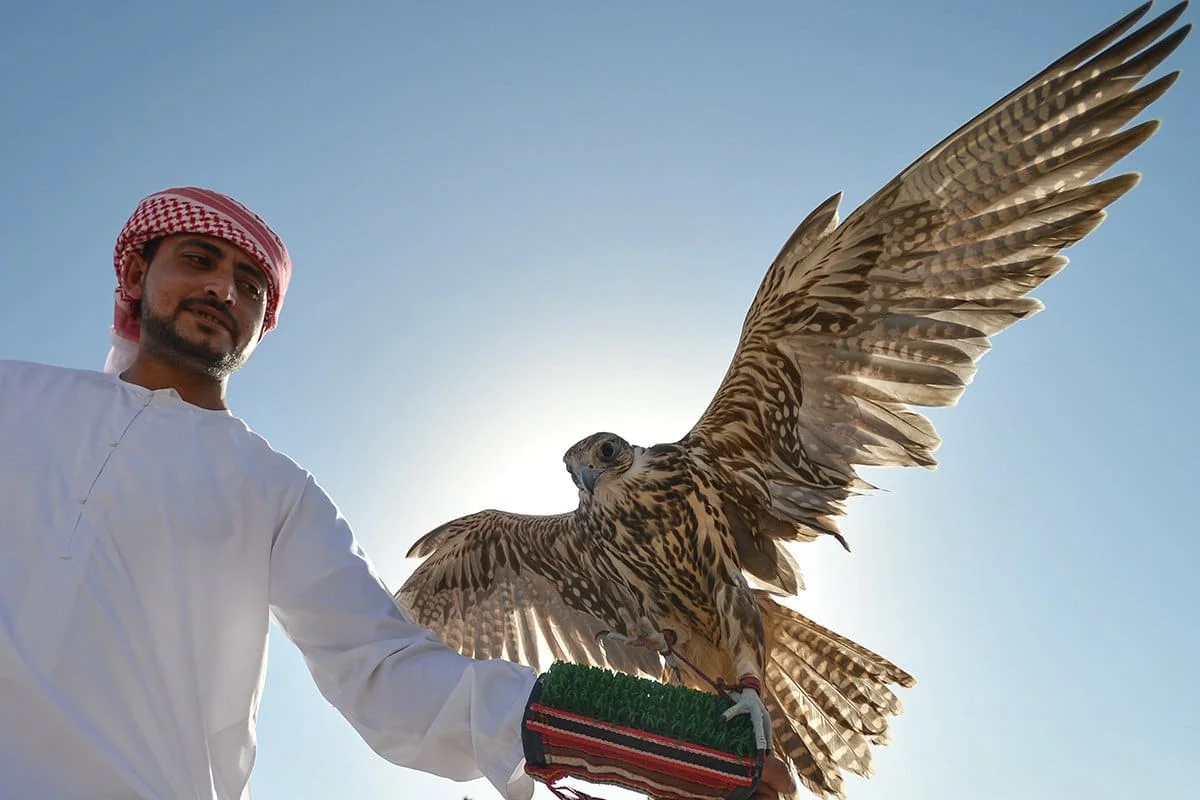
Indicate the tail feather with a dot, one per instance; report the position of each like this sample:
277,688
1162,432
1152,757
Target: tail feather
799,689
842,726
829,698
862,701
799,744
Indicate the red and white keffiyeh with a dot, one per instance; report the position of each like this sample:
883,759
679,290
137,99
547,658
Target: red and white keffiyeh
190,209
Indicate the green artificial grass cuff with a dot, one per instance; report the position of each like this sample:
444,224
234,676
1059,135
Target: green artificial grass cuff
677,712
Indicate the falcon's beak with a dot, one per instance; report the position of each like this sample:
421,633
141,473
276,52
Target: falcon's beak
587,478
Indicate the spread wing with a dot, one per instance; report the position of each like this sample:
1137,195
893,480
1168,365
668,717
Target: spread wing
854,324
500,585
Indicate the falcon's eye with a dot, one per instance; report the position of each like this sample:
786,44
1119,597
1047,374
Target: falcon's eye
607,450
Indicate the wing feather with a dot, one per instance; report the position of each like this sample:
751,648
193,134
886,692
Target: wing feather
856,323
520,587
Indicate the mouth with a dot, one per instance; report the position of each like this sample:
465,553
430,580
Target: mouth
211,317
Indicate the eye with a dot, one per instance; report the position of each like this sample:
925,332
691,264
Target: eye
252,289
196,258
607,450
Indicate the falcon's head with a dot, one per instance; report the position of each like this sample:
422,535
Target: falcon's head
592,458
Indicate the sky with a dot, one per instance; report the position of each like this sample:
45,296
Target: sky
514,224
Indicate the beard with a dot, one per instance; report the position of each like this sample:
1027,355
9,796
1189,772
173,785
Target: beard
161,335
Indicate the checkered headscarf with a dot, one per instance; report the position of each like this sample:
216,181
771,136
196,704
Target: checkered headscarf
193,210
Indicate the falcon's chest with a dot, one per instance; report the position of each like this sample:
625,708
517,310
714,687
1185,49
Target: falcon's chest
665,517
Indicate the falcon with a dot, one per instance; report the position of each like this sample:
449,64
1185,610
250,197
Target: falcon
677,552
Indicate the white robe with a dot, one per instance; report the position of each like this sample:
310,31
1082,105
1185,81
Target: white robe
144,542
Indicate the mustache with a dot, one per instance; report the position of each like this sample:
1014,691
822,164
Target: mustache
216,308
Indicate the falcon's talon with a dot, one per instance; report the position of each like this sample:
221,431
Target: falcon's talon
747,701
642,633
605,636
647,638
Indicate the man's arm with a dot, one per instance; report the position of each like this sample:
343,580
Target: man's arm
414,700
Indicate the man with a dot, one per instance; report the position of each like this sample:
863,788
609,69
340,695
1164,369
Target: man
147,535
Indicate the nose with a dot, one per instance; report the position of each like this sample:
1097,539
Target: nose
222,286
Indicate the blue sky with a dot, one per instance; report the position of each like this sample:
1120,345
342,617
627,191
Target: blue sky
515,224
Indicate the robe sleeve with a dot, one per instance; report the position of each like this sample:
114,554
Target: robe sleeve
414,700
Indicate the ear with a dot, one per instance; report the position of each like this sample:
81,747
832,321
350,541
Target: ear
133,276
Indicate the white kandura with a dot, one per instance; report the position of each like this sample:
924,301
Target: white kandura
144,544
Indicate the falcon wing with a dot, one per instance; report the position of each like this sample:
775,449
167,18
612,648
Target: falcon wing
854,324
500,585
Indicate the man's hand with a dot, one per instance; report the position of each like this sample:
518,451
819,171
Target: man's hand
776,781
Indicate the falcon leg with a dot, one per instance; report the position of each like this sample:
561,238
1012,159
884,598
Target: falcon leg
672,664
743,637
667,651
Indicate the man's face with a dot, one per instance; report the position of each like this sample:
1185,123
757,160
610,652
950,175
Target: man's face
203,303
